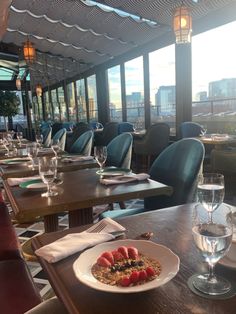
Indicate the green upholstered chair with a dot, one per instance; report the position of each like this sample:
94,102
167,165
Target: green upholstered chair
83,145
178,166
79,129
119,151
109,132
61,137
190,129
125,127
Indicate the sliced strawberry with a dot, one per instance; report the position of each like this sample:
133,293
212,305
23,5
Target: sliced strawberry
125,281
133,252
102,261
109,257
124,251
150,271
117,256
142,275
134,277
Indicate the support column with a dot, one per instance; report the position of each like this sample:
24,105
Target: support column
147,105
102,96
183,65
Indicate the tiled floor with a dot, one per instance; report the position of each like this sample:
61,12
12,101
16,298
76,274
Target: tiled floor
27,231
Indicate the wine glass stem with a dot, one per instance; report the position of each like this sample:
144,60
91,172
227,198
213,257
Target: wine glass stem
210,216
211,277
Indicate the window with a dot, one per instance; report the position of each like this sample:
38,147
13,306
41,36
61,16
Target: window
48,108
71,101
62,103
114,86
214,79
92,98
162,85
55,104
134,91
81,100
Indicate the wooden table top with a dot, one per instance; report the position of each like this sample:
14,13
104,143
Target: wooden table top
80,189
218,139
22,170
172,228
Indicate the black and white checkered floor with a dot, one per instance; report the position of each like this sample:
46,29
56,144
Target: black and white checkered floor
27,231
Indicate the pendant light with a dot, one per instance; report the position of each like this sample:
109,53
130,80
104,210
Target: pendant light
182,25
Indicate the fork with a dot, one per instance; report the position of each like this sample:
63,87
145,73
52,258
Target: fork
98,228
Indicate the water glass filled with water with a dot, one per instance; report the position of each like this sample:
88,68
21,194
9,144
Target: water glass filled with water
100,154
48,173
211,191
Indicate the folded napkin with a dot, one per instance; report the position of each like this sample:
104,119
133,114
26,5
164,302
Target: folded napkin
17,181
125,179
76,242
77,158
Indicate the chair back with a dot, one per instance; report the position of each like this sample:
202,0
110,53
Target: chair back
61,136
83,145
177,166
47,136
56,127
79,129
119,151
109,132
125,127
95,125
190,129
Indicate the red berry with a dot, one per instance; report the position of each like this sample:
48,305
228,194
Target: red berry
124,251
134,277
125,281
150,271
142,275
133,252
102,261
117,256
109,257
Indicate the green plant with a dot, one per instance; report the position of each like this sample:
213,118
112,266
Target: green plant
9,105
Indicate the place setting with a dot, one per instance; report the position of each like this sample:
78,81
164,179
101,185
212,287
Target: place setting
212,231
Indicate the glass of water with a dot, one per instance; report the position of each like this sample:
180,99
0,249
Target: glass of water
100,154
211,191
32,152
213,239
48,173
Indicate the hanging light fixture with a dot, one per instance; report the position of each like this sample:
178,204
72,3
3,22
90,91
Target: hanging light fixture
18,83
29,51
182,25
38,90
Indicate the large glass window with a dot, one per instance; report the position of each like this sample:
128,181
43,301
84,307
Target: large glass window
134,91
92,97
61,98
81,100
71,100
55,104
214,79
115,102
162,85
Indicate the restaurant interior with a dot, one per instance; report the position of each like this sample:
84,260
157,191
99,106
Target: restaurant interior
117,156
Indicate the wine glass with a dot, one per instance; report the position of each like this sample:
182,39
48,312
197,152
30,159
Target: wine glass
100,154
39,139
48,173
213,239
19,136
5,144
32,152
211,191
55,145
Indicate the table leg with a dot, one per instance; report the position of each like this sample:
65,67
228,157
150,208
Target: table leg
80,217
51,223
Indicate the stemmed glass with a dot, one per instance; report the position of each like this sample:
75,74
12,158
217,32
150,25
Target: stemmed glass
211,191
213,239
39,139
5,144
48,173
32,152
100,154
19,136
55,147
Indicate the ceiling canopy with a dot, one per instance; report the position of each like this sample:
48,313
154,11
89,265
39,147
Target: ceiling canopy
72,36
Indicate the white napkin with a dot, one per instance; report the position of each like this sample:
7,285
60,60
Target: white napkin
125,179
76,242
77,158
17,181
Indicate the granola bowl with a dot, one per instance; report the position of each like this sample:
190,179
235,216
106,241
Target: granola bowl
168,260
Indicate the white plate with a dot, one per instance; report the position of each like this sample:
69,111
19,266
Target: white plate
35,184
168,260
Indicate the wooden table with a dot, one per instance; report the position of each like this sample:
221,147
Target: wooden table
79,192
218,140
22,170
172,228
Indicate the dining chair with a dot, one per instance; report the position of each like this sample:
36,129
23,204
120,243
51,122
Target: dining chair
96,125
177,166
125,127
119,151
83,145
47,136
190,129
79,129
152,144
56,127
61,137
109,132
